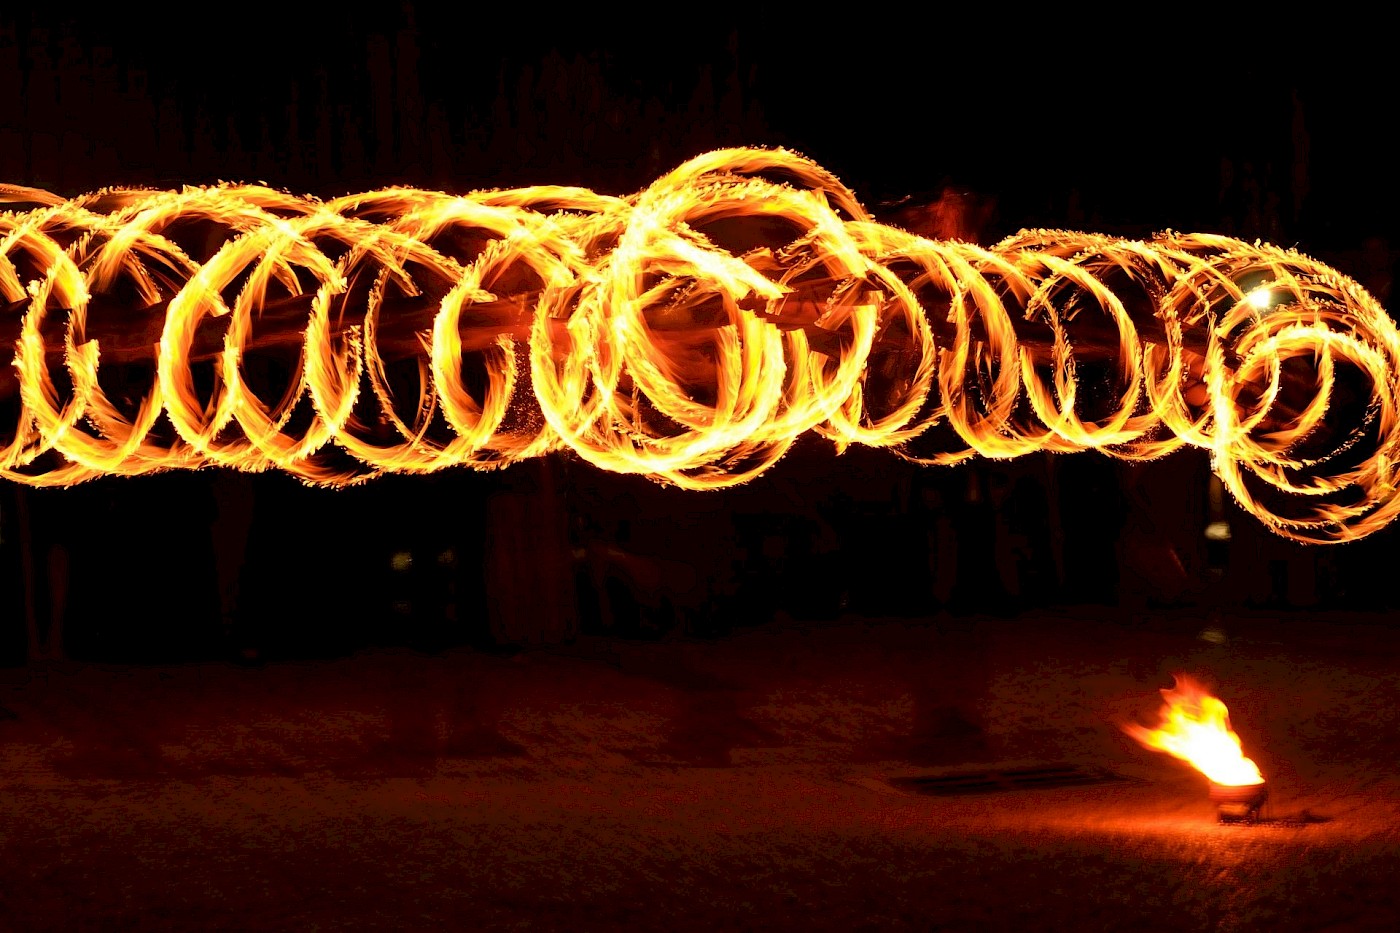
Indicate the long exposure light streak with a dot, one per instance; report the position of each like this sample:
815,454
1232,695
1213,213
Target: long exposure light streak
691,333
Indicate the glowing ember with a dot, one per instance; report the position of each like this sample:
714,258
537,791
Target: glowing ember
1196,728
690,333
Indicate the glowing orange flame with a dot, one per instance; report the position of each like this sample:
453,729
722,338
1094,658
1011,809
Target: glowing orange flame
1196,728
690,333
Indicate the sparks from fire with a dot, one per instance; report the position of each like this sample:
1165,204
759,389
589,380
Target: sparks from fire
690,333
1195,727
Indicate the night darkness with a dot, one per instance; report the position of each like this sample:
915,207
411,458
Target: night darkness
625,641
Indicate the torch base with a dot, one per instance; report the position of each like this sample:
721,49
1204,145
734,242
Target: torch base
1238,803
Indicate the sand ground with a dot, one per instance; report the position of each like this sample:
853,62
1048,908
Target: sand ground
749,782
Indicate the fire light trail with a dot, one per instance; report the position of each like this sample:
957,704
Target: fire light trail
691,333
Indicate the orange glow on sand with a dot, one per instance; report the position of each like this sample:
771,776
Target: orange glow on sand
1195,727
691,333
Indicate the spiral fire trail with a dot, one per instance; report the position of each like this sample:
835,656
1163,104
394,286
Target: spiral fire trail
691,333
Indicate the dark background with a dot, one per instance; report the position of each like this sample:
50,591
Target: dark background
1166,122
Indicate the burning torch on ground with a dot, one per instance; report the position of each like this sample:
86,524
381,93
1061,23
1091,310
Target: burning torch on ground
1195,727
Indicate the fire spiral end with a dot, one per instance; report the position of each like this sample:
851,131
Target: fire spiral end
690,333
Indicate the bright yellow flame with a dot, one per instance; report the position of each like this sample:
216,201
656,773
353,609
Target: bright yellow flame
1261,298
689,333
1195,727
